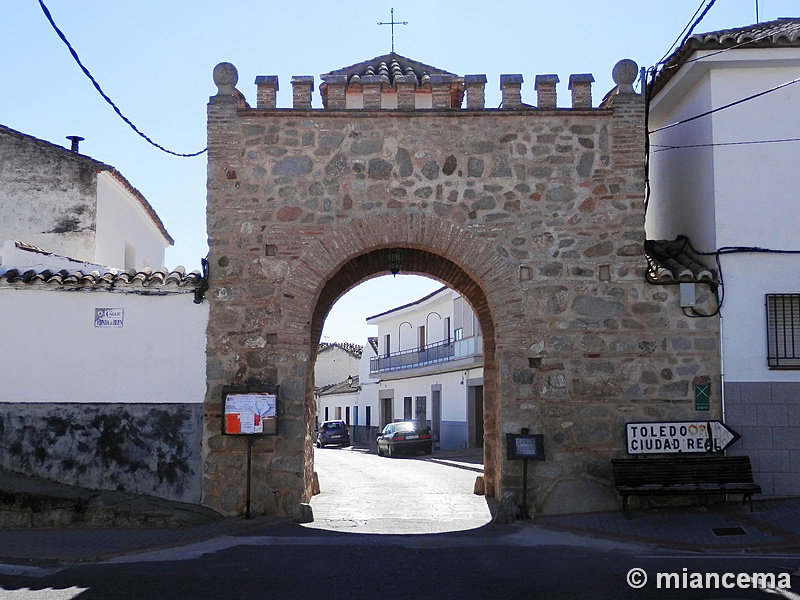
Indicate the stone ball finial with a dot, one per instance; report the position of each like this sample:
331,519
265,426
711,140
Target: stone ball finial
225,78
624,74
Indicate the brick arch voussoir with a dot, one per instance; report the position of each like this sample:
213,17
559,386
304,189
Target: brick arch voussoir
477,264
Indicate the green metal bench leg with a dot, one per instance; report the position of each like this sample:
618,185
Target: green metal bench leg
625,507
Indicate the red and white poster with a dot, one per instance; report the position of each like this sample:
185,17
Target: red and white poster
250,413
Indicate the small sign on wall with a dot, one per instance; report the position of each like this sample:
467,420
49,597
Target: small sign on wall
702,394
108,317
523,446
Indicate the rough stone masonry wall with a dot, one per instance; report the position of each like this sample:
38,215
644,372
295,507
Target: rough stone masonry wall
543,209
151,449
47,196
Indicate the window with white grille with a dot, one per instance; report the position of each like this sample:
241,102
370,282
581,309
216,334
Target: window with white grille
783,331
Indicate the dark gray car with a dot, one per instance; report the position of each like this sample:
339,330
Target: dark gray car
333,433
405,437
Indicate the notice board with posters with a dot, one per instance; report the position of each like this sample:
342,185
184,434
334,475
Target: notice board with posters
248,411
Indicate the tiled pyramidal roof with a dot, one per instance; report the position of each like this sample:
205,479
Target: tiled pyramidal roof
388,67
672,261
402,75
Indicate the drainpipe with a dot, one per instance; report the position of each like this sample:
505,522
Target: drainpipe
721,369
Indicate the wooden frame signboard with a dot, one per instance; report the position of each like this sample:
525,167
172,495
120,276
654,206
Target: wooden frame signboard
247,411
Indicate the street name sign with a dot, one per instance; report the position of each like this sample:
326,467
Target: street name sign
679,437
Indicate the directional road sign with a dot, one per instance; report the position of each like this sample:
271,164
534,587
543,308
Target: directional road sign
679,437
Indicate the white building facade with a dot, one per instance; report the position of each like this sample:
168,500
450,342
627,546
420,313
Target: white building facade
106,349
72,205
727,181
429,367
425,364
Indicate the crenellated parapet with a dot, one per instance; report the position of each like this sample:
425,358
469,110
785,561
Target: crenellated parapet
393,82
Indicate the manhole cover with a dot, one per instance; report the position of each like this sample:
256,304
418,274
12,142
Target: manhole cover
722,531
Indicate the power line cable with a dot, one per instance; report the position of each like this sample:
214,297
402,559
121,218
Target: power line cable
697,22
675,43
662,147
726,106
103,94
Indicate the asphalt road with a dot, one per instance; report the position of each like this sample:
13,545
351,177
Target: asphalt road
397,528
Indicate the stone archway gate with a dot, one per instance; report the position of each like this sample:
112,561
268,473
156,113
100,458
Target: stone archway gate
534,214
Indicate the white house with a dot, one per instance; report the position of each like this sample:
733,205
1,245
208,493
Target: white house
106,367
72,205
426,364
429,367
724,171
335,361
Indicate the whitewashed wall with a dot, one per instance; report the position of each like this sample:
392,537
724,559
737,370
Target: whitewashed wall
334,365
121,220
50,343
402,324
734,194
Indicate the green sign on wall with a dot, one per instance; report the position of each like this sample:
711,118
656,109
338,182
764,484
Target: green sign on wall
702,394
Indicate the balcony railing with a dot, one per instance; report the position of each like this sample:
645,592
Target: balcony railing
438,352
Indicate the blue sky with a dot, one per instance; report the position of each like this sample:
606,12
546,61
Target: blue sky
154,58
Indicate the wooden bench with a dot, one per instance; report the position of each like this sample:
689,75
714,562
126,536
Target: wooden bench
682,475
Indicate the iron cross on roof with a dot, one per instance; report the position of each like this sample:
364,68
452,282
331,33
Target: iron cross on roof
393,23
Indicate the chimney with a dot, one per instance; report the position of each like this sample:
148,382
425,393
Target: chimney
476,96
75,139
581,86
302,86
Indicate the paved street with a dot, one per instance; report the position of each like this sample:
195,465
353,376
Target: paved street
365,493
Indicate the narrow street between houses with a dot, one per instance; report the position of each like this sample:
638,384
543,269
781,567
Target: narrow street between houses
362,492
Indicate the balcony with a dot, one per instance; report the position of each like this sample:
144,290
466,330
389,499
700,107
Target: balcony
446,351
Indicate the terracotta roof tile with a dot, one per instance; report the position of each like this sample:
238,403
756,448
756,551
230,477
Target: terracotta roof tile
672,261
343,387
143,281
781,33
353,349
388,67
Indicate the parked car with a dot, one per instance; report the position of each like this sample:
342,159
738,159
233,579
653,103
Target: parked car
333,433
404,437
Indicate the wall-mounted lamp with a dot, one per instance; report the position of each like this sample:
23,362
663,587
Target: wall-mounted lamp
395,260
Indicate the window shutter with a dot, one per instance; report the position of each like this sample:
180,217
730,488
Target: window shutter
783,331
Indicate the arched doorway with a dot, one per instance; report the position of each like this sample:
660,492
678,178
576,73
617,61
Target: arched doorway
422,262
264,332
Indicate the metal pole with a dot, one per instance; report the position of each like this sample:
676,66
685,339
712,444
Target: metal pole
249,469
524,488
